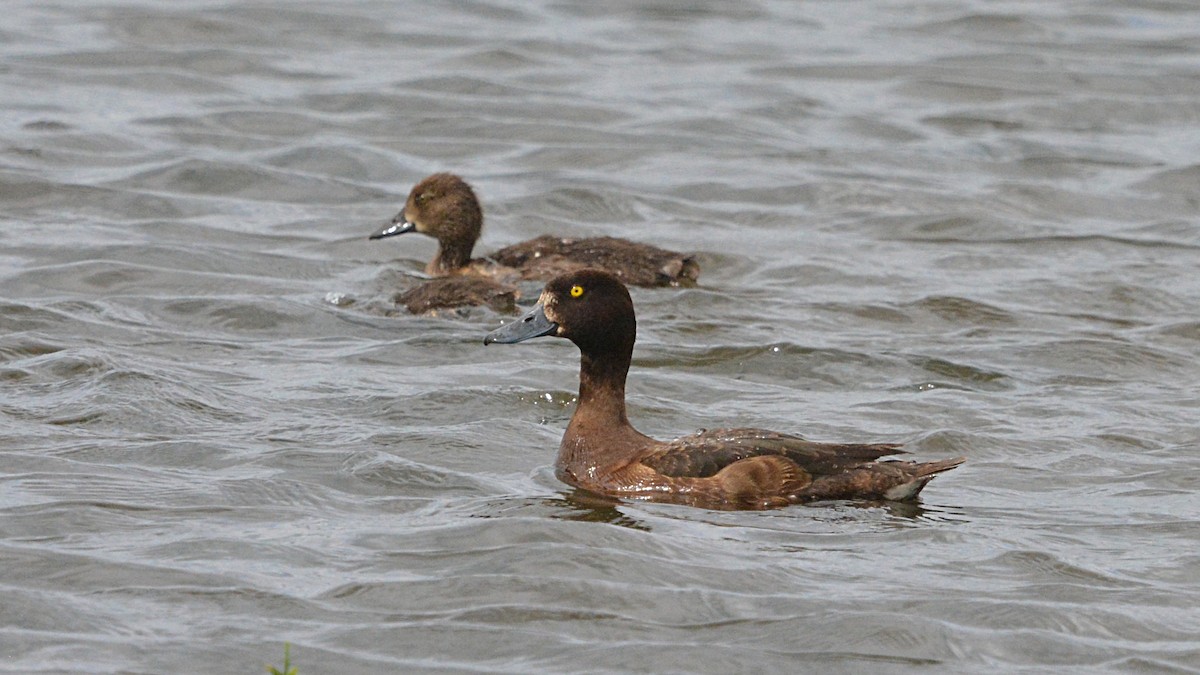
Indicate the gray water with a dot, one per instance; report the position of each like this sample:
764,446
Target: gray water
973,227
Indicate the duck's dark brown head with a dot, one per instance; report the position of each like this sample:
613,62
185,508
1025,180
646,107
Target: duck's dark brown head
442,206
589,307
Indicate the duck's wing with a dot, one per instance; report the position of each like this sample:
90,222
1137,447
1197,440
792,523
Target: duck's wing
705,453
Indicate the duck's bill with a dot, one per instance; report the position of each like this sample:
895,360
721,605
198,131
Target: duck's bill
534,324
393,228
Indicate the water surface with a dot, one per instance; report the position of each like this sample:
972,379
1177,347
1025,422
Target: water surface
968,226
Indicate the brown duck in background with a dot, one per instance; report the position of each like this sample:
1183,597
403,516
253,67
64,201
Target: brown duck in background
444,206
717,469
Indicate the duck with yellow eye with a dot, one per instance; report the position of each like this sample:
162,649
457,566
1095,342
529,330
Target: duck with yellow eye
444,206
718,468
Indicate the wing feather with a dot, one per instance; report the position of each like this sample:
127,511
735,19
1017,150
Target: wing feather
705,453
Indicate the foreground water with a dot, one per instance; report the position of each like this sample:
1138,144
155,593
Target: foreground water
969,226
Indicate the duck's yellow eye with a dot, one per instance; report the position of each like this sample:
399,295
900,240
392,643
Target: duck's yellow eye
576,291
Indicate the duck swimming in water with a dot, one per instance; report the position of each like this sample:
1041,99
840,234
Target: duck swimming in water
444,206
717,469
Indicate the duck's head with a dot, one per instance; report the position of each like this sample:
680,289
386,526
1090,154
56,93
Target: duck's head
589,307
442,206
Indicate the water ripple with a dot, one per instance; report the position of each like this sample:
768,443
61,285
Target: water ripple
964,226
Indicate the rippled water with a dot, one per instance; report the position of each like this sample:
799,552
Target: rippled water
969,226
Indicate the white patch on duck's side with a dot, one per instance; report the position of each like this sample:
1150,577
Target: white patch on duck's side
906,491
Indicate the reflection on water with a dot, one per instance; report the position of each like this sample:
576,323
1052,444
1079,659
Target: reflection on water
590,507
968,226
572,505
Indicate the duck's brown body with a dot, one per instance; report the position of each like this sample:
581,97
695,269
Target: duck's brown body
445,207
718,469
459,291
635,264
742,469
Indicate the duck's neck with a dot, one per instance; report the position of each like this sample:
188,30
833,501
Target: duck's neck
602,389
599,440
451,257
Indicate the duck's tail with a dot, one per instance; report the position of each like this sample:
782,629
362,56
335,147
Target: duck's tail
931,468
922,473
